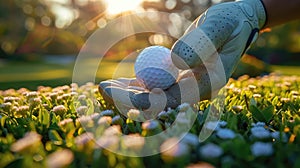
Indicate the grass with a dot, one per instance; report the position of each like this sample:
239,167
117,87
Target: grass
33,74
286,70
259,127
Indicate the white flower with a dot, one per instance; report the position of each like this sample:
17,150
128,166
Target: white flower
256,95
9,99
183,107
285,99
107,113
109,143
133,114
84,119
95,116
211,151
258,124
60,109
84,138
60,158
30,140
225,133
65,121
215,125
113,131
81,97
105,121
212,125
82,110
237,108
293,92
32,94
222,123
134,141
260,132
251,87
190,139
23,109
182,118
150,125
262,149
172,150
73,94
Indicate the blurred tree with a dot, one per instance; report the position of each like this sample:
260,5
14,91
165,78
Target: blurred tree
280,46
12,21
62,26
45,26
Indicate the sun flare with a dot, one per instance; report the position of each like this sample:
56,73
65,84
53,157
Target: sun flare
119,6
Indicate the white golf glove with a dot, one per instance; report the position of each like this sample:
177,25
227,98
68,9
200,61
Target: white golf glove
226,28
218,37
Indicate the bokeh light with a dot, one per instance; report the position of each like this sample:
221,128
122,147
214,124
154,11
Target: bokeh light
119,6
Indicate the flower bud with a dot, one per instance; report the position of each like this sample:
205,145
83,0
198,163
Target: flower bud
60,110
174,151
107,113
117,120
133,114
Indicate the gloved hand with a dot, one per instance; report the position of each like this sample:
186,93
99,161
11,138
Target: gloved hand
209,52
228,28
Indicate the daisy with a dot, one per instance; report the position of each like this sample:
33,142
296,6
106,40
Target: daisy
211,150
262,149
225,133
260,132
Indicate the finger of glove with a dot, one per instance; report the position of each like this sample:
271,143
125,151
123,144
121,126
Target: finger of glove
101,87
105,89
119,96
209,80
116,83
233,50
130,99
184,91
130,81
185,74
212,30
192,49
215,72
105,96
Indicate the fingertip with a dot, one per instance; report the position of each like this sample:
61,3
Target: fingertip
102,85
141,100
108,91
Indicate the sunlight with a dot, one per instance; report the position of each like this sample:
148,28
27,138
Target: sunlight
118,6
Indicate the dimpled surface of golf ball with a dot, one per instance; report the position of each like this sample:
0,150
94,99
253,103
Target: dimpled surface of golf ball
154,68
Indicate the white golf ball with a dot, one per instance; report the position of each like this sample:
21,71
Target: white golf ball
154,68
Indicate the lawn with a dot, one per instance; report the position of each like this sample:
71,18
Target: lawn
259,126
72,126
33,74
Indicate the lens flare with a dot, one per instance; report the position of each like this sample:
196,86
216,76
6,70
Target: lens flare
119,6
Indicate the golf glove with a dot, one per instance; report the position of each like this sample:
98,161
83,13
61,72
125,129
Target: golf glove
226,28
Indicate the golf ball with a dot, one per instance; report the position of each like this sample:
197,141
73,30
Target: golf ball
154,68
